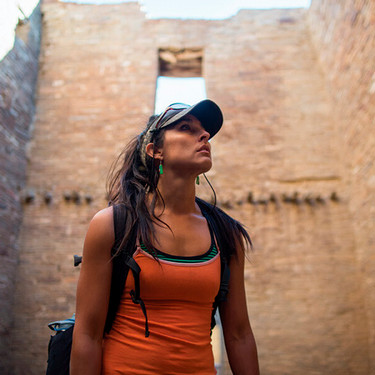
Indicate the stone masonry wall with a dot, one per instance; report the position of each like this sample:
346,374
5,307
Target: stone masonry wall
18,74
344,38
277,168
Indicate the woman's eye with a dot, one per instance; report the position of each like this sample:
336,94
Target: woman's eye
185,127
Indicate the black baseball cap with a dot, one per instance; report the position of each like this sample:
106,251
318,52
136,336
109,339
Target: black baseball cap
206,111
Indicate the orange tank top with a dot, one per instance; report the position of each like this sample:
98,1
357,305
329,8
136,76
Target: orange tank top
178,293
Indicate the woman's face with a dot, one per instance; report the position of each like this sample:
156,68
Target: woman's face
185,147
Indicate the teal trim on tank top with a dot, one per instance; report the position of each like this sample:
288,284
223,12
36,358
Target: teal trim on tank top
210,254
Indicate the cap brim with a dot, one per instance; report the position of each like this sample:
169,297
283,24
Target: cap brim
206,111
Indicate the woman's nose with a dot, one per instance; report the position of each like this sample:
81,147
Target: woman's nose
205,135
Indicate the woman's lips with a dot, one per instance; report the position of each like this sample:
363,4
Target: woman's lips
205,149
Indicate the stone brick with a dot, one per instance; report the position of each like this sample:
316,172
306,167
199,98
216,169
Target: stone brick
293,162
18,74
344,36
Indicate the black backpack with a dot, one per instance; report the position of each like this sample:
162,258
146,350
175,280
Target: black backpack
60,344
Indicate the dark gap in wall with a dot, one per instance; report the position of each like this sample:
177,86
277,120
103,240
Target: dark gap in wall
177,62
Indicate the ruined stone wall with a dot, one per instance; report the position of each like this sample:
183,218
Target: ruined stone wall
277,168
344,38
280,137
18,74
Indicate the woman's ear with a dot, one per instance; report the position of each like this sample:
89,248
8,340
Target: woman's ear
153,151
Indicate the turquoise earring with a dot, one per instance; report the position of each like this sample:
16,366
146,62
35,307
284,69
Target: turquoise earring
197,180
161,168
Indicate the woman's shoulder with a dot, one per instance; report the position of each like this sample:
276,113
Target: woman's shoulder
100,236
111,220
209,209
102,224
104,216
230,233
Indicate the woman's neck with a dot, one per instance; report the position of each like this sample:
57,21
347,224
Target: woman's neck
178,194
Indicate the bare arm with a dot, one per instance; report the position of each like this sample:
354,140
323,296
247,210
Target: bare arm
93,295
239,339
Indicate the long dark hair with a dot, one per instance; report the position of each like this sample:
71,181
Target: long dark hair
130,181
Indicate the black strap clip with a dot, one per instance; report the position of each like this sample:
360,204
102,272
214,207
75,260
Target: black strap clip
135,295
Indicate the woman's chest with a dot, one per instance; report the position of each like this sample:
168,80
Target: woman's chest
183,237
183,279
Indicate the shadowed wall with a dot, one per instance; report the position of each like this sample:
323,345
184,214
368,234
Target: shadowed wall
18,75
280,166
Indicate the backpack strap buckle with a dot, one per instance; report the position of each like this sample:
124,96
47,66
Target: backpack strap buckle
135,294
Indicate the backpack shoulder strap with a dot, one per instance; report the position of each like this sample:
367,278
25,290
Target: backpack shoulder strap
120,268
223,290
225,272
135,293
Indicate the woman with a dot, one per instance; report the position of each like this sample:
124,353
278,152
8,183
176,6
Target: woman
179,277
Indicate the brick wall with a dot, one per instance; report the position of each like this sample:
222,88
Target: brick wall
18,74
278,166
344,38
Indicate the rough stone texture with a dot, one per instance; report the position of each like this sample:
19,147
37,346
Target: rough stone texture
176,62
344,36
18,75
277,162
